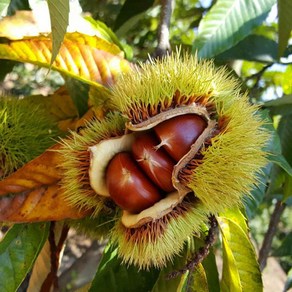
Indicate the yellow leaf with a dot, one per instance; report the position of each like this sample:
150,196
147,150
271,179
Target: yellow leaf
88,58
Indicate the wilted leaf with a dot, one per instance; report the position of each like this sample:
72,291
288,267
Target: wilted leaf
18,251
41,171
227,23
87,58
59,15
32,193
240,268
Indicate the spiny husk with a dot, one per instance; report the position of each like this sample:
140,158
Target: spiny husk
157,242
174,81
76,161
229,166
26,130
225,169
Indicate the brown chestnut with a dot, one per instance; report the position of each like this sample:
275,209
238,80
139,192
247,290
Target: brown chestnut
128,186
178,134
155,162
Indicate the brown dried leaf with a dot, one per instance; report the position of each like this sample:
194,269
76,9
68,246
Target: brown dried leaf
32,193
40,171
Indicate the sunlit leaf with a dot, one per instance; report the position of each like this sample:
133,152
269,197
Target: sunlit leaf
227,23
32,193
3,7
114,276
18,251
87,58
59,15
199,281
285,24
240,268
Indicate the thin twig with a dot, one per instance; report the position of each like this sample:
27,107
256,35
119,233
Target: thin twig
163,46
267,243
202,253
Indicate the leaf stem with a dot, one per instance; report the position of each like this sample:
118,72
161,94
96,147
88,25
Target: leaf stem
267,243
163,46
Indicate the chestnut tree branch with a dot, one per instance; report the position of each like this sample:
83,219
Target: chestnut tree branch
267,243
163,46
202,253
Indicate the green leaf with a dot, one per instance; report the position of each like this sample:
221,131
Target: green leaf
79,92
176,284
227,23
240,268
114,276
252,48
16,5
198,281
286,247
59,14
3,7
6,67
281,161
211,271
130,9
18,251
280,106
284,24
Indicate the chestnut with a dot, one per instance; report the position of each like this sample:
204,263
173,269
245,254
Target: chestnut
178,134
129,188
154,161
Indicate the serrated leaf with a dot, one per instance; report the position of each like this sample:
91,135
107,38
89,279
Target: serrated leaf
59,15
252,48
227,23
18,251
114,276
86,58
284,24
240,268
32,193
